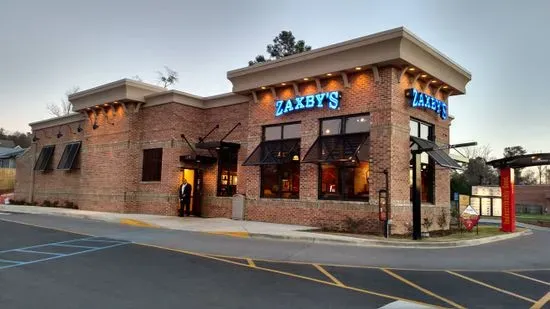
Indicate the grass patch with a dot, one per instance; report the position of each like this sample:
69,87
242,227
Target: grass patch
484,231
540,220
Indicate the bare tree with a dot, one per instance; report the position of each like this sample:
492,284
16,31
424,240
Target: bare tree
136,77
65,107
543,171
169,79
474,152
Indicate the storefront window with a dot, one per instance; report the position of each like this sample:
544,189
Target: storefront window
282,180
343,182
424,131
152,164
227,171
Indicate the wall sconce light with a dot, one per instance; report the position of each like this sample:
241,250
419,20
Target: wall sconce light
59,134
295,158
79,129
95,126
34,138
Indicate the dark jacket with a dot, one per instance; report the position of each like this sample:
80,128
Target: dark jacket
187,192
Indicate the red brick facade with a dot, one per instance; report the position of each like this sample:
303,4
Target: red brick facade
108,177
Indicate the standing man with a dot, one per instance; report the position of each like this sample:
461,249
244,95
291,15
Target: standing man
185,198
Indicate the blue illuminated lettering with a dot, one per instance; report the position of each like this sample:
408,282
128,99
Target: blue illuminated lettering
279,108
288,107
422,100
333,100
308,102
299,104
320,97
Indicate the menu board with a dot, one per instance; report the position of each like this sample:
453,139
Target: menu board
475,202
485,206
497,207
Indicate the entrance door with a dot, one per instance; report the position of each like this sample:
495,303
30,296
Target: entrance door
194,178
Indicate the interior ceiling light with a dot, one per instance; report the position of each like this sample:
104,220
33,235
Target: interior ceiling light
434,81
283,84
105,104
445,87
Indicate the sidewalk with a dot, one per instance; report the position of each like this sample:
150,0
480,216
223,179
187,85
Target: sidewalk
247,229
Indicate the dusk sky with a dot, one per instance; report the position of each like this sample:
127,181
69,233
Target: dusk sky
48,47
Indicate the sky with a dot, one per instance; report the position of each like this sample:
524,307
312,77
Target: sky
49,47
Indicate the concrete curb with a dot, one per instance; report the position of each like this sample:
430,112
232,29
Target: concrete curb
360,242
307,237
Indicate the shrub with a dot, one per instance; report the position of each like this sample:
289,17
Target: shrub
427,223
409,227
55,204
357,226
442,219
70,205
46,203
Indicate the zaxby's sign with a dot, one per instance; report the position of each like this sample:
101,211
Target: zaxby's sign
318,100
422,100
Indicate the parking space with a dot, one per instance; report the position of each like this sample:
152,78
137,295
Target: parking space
65,270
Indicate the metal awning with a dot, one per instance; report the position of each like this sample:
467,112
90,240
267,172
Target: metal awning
435,152
339,148
274,152
217,145
194,158
535,159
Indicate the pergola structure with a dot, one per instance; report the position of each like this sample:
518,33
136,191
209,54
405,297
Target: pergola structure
506,166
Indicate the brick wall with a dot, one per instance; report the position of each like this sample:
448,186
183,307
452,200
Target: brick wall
109,177
533,195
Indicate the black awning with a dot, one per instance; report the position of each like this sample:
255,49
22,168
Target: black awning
535,159
339,148
44,158
274,152
193,158
217,145
433,150
69,155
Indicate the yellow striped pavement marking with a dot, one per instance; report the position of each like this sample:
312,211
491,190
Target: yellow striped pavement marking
329,275
232,234
527,277
134,222
491,286
541,302
251,263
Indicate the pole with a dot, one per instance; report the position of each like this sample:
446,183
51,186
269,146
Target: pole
388,212
417,193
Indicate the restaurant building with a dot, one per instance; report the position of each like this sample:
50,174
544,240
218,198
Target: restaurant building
308,139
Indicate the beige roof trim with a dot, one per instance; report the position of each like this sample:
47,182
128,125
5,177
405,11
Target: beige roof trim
57,121
175,96
396,47
115,84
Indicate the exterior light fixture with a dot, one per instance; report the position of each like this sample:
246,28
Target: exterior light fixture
433,81
263,87
424,75
306,78
79,129
412,69
357,68
329,74
59,134
95,126
34,138
283,84
295,158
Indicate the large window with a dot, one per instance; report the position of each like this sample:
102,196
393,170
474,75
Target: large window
424,131
281,146
227,171
152,164
344,170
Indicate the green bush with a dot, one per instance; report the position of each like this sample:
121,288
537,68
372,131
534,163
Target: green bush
442,219
55,204
70,205
46,203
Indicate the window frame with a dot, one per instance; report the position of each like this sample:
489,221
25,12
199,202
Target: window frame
151,178
426,168
280,165
340,168
233,151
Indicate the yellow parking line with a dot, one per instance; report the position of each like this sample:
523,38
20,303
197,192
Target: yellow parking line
541,302
527,277
329,275
491,287
232,234
426,291
134,222
251,263
290,275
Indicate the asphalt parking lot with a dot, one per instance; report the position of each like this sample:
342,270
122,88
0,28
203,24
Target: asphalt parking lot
45,268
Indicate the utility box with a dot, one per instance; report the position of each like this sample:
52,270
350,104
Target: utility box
237,205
